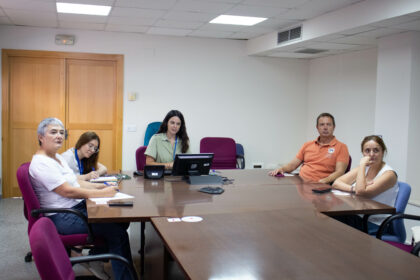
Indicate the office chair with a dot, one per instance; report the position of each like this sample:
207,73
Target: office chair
140,157
398,228
33,211
224,150
151,130
51,258
240,156
413,249
349,165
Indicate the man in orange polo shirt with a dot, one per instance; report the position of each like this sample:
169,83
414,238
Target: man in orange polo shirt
324,159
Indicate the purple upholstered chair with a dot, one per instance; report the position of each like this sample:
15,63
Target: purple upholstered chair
140,157
51,258
33,212
224,150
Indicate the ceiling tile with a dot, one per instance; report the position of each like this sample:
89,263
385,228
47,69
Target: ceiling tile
278,23
26,16
276,3
256,11
202,6
211,34
36,22
168,31
258,29
244,35
126,28
131,21
133,12
80,25
89,2
193,16
222,27
146,4
82,18
178,24
31,5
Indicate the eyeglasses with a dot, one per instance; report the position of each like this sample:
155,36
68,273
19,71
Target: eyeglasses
93,148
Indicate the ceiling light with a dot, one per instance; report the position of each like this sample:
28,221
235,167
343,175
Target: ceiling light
237,20
70,8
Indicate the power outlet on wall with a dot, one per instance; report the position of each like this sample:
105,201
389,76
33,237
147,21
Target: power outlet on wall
258,165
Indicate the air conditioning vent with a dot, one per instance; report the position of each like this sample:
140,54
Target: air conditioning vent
288,35
310,51
295,33
282,37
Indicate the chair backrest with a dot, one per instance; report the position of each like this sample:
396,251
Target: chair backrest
50,256
29,197
224,150
240,156
151,130
401,201
349,165
140,157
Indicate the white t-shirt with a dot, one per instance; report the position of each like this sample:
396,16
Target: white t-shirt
387,197
71,160
46,175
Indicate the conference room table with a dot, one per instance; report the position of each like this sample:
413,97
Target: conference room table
269,227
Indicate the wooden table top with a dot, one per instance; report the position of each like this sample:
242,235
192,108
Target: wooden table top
281,244
251,190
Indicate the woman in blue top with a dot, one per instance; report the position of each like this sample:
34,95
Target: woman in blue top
171,139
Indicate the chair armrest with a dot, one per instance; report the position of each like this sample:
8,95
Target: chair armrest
241,158
36,212
416,249
105,257
394,217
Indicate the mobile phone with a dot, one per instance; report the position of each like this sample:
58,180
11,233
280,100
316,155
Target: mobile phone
321,190
120,203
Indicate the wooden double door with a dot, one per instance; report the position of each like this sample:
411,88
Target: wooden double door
83,90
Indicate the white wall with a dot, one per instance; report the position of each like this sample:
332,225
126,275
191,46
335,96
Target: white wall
260,102
345,86
413,155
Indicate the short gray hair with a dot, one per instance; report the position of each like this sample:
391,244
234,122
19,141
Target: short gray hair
42,127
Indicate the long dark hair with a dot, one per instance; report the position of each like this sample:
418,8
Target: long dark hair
182,132
91,163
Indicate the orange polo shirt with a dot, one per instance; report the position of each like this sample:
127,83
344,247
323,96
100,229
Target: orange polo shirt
319,160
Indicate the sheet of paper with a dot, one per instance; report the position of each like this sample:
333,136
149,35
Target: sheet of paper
104,200
337,192
104,179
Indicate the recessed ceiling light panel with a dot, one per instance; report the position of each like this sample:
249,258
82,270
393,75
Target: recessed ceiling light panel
82,9
237,20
